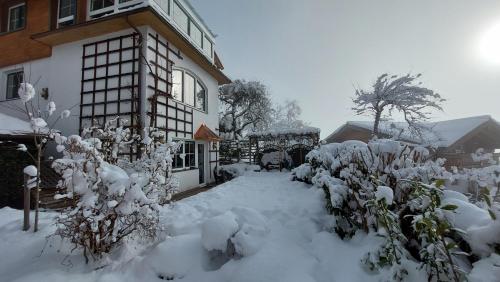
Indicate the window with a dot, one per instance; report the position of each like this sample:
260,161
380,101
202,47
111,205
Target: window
181,18
189,90
189,154
13,82
207,46
17,17
178,161
200,100
185,156
177,85
195,33
67,12
100,4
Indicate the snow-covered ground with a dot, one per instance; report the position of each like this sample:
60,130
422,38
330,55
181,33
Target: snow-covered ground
276,226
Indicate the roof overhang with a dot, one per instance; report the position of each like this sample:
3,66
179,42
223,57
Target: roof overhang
205,133
133,18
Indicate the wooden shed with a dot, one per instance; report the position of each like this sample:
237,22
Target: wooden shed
454,139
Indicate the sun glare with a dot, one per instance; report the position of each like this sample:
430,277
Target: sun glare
490,44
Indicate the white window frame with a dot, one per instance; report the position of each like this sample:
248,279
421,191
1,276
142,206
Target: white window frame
183,93
6,83
202,34
195,155
9,14
115,8
211,51
68,18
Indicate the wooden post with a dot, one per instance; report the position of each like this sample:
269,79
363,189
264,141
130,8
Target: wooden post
26,224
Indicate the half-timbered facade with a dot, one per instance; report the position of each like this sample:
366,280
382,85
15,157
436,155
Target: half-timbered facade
150,62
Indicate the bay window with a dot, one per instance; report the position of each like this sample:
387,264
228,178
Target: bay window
189,90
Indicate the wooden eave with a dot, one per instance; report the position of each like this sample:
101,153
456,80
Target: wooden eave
490,127
133,18
205,133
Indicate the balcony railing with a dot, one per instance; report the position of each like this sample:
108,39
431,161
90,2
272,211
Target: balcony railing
164,8
116,7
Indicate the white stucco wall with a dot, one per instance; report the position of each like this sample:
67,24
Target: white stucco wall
61,74
190,178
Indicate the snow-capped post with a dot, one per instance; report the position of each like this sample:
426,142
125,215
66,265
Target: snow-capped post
400,93
41,133
26,222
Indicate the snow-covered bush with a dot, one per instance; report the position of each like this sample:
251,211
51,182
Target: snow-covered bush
234,234
394,190
114,198
485,176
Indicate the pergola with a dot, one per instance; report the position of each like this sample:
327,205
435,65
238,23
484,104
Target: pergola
299,141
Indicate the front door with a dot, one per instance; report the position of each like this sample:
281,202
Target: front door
201,162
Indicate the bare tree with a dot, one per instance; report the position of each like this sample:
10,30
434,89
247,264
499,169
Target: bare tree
243,105
287,115
398,93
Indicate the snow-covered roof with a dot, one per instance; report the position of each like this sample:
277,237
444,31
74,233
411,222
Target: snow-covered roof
10,125
306,130
441,133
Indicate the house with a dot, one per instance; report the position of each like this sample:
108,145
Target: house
454,139
150,62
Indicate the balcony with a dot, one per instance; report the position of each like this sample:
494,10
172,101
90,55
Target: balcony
100,8
179,24
177,12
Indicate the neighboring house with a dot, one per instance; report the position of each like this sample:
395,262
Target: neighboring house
151,62
454,139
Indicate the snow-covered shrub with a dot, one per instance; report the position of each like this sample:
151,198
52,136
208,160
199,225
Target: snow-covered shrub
350,173
234,234
392,189
439,253
393,250
479,179
114,198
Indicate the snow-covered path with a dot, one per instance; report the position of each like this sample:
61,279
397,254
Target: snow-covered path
284,239
295,249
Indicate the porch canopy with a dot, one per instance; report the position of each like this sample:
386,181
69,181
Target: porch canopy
205,133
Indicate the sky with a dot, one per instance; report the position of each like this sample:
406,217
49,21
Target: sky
318,51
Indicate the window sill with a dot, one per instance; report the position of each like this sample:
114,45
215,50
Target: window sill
12,31
9,100
189,106
175,170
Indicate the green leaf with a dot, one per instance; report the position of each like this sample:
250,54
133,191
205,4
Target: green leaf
450,207
451,245
439,183
493,216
